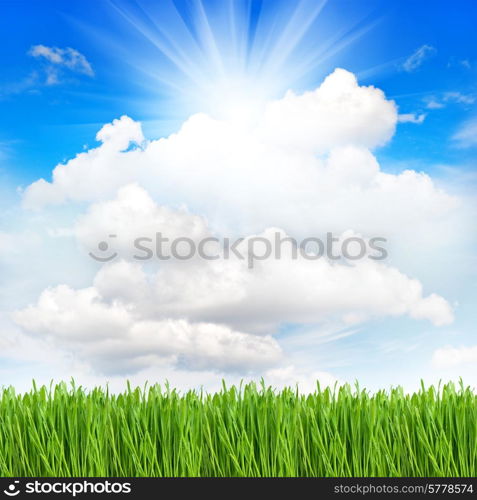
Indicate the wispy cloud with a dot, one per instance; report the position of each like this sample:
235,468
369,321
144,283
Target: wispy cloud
466,136
412,118
418,57
433,103
438,102
459,97
27,84
70,58
60,59
57,63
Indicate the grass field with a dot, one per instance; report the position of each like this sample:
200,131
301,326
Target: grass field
255,431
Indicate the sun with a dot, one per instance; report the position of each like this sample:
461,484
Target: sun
228,58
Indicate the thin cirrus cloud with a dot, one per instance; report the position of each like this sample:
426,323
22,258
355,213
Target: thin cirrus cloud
57,63
59,59
417,58
466,136
459,97
439,102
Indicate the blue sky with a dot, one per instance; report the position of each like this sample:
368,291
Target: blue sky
70,68
43,125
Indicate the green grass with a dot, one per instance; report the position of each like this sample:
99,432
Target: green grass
252,431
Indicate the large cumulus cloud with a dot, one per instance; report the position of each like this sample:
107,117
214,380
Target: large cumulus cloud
303,165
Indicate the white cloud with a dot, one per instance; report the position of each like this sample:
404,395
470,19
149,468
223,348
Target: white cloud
55,364
201,287
411,118
134,214
433,103
133,306
459,97
466,136
56,58
111,337
68,57
338,113
118,135
448,357
303,163
96,173
417,58
246,178
128,321
213,154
